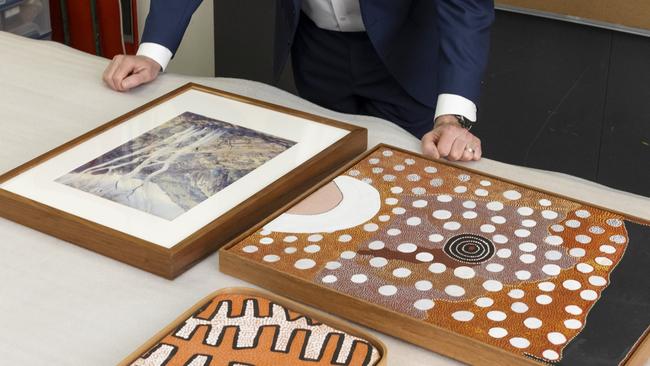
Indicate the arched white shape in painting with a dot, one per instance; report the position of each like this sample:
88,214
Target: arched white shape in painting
360,203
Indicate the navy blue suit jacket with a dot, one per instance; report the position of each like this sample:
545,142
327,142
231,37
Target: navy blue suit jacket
429,46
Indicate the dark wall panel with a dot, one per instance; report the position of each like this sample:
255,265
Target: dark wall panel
543,94
243,41
625,156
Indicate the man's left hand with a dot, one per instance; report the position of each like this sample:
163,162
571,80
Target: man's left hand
450,140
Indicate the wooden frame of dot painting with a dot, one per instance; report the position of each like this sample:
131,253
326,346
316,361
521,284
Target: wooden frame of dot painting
472,266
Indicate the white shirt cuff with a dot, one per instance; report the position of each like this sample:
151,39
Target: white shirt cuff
456,105
161,54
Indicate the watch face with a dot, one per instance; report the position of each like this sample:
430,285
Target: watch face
466,123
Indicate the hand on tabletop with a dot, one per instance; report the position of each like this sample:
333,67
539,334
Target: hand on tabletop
127,72
448,139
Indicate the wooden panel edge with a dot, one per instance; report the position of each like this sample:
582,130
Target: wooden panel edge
640,354
584,13
283,301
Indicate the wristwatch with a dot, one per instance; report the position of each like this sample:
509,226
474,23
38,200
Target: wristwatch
465,122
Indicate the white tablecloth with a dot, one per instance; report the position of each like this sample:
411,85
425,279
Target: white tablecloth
64,305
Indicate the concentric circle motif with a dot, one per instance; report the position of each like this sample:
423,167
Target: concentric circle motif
469,248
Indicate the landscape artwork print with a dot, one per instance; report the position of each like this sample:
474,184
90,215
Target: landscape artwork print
177,165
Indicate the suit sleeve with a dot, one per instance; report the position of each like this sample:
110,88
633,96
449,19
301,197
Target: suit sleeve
464,45
167,21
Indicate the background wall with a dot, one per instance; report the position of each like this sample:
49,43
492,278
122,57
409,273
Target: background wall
196,54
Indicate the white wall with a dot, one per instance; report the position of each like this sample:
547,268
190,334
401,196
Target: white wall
196,53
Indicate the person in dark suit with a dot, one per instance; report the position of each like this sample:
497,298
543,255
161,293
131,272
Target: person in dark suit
417,63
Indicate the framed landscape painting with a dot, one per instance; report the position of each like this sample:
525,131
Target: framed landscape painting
168,183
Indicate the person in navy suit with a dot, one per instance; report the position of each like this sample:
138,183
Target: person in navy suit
417,63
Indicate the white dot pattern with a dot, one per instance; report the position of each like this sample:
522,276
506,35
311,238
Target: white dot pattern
562,253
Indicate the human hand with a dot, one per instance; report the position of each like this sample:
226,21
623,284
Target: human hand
127,72
448,139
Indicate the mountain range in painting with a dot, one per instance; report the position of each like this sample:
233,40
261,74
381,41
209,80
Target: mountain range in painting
177,165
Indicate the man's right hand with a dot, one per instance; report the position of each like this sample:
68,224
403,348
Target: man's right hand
127,72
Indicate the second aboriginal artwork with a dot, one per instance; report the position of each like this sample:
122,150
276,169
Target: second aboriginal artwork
177,165
244,330
508,266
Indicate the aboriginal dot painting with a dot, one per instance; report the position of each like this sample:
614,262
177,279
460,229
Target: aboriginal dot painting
245,330
505,265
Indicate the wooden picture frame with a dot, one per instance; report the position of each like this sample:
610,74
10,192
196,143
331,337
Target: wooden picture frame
426,335
171,262
282,301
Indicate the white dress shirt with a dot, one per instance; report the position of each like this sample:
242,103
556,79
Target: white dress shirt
335,15
341,16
